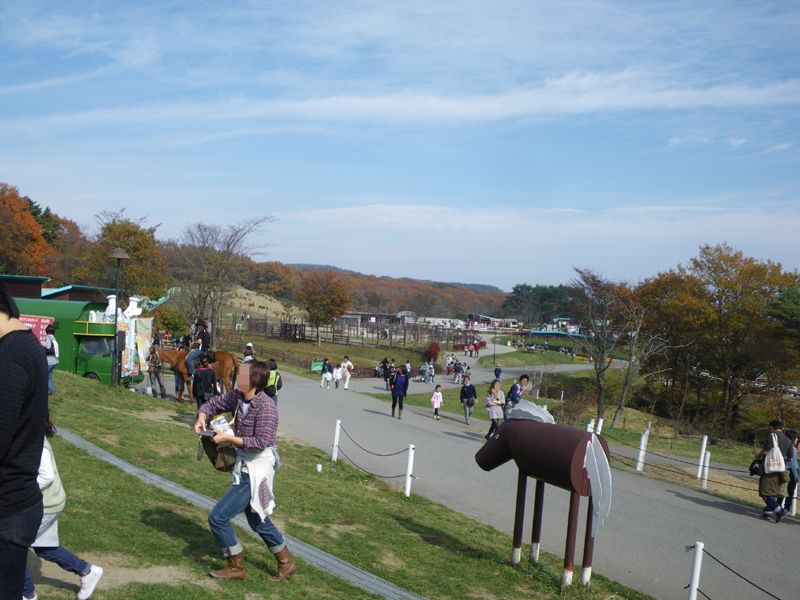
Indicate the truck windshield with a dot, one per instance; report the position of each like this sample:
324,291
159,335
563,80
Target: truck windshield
95,346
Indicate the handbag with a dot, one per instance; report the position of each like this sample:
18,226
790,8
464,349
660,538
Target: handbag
757,467
222,456
773,461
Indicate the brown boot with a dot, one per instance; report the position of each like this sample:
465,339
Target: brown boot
400,414
286,566
234,570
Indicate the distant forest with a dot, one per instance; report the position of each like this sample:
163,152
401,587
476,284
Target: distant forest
482,287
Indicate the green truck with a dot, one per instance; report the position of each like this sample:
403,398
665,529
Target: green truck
85,347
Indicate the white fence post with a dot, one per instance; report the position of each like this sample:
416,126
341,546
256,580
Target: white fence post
599,427
793,512
335,453
705,469
642,450
562,396
702,456
410,468
697,563
590,426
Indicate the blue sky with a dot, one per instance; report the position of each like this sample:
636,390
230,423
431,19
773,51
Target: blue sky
490,142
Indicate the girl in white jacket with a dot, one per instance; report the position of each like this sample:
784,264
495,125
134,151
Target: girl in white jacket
47,545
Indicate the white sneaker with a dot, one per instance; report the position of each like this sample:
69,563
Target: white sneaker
34,597
89,582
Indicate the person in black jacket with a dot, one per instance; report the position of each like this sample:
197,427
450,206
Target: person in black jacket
468,397
204,386
23,401
399,390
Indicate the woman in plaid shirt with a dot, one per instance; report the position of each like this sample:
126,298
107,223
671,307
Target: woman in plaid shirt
252,476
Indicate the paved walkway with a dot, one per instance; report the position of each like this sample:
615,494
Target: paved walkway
643,542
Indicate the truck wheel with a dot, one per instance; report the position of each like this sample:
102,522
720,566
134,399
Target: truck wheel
92,376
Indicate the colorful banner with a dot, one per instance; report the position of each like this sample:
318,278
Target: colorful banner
144,337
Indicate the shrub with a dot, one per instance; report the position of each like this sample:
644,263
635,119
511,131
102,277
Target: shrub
433,351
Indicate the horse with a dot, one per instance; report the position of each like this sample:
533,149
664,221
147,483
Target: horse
226,368
574,460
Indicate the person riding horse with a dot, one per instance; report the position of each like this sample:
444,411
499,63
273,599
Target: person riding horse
202,344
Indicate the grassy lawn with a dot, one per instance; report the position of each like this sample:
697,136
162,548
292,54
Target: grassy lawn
413,542
523,358
367,356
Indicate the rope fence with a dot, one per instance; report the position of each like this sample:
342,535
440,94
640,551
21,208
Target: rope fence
694,584
410,466
703,466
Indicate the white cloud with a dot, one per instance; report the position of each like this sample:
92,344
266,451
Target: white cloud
783,146
737,142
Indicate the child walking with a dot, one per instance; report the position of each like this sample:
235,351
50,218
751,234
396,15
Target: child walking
436,401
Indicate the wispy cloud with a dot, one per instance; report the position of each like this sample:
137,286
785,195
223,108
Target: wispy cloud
576,93
783,146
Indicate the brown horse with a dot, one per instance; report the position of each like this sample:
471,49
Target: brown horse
226,368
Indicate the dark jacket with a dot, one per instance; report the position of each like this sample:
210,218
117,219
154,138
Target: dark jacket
205,383
23,397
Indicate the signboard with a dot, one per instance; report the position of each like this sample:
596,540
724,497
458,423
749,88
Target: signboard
36,324
316,366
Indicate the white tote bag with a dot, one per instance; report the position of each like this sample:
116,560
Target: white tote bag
773,461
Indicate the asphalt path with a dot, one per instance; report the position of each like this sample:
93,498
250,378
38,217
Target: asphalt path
642,544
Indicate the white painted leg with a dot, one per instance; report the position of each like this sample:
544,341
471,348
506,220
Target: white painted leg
535,553
586,576
515,554
566,580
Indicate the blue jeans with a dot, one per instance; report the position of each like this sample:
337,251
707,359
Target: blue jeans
50,387
772,504
236,500
190,360
17,533
63,558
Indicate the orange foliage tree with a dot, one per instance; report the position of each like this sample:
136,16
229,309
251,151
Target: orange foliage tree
23,249
324,296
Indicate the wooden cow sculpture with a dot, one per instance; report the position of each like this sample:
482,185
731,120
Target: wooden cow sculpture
568,458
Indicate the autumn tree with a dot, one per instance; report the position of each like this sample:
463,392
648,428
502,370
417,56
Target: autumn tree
598,316
675,313
167,318
738,292
270,278
23,249
324,296
641,344
211,260
142,275
72,247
